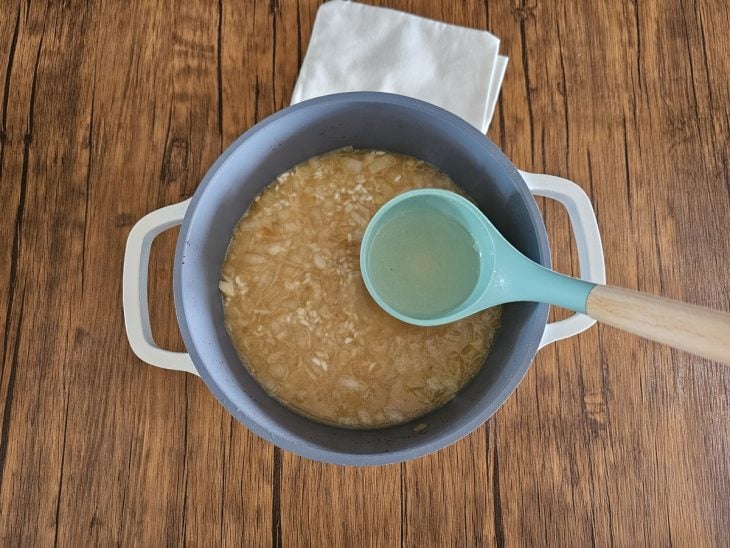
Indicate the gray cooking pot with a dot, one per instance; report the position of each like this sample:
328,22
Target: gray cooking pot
363,120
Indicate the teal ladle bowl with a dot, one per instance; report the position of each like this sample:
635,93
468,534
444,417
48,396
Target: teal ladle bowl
430,257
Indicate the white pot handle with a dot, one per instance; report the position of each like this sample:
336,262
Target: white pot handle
134,289
587,237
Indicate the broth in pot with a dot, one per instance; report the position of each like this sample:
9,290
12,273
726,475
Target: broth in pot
299,314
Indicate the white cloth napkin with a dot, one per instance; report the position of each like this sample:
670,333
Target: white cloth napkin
355,47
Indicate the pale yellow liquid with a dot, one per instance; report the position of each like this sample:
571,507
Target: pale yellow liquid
423,263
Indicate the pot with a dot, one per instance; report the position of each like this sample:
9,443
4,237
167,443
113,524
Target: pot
363,120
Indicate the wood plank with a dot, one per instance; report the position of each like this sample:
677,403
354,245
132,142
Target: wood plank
34,391
127,437
610,438
331,505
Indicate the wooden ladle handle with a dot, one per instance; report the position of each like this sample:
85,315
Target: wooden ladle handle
684,326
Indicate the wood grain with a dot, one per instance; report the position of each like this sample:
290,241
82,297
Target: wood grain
111,109
699,330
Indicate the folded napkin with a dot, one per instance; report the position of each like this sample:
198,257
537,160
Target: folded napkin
355,47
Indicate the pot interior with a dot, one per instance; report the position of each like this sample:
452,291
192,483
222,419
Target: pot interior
363,120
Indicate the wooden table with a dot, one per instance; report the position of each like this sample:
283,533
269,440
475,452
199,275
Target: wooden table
111,110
